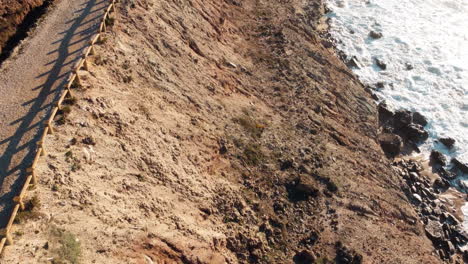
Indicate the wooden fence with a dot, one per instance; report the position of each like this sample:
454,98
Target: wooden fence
73,81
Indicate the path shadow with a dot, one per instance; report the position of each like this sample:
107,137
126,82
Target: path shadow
21,147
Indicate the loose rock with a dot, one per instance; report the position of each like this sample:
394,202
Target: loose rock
375,35
419,119
438,158
391,144
448,142
381,64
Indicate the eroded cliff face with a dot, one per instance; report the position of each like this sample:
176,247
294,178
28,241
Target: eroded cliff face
211,131
15,19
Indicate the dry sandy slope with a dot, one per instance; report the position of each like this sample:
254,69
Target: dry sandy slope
220,132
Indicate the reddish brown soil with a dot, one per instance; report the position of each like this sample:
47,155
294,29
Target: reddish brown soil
12,14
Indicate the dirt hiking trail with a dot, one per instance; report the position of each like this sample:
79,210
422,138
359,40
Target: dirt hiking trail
30,81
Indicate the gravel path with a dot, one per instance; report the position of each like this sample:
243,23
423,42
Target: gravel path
31,80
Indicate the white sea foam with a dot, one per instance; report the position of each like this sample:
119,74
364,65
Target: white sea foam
431,35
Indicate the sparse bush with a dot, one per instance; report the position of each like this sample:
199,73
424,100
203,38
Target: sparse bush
30,210
70,247
250,125
110,21
65,110
69,154
70,100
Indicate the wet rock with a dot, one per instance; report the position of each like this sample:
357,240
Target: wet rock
415,133
381,64
449,248
438,158
353,63
419,119
463,185
304,257
417,198
402,118
414,176
379,85
446,174
375,35
385,113
409,66
463,167
391,143
448,142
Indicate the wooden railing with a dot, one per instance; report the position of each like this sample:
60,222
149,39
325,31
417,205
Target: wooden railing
73,81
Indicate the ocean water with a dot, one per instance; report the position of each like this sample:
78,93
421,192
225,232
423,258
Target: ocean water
429,35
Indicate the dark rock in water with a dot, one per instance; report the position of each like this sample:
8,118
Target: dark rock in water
327,44
416,133
385,113
391,143
463,167
353,63
449,248
402,119
381,64
380,85
408,66
438,158
448,142
304,257
463,185
375,35
441,184
419,119
446,174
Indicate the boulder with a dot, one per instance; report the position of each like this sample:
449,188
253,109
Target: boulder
381,64
463,167
385,113
391,144
448,142
446,174
375,35
463,185
419,119
415,133
353,63
402,118
434,231
417,198
438,158
379,85
409,66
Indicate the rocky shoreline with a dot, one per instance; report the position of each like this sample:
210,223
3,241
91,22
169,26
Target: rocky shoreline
443,228
400,133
